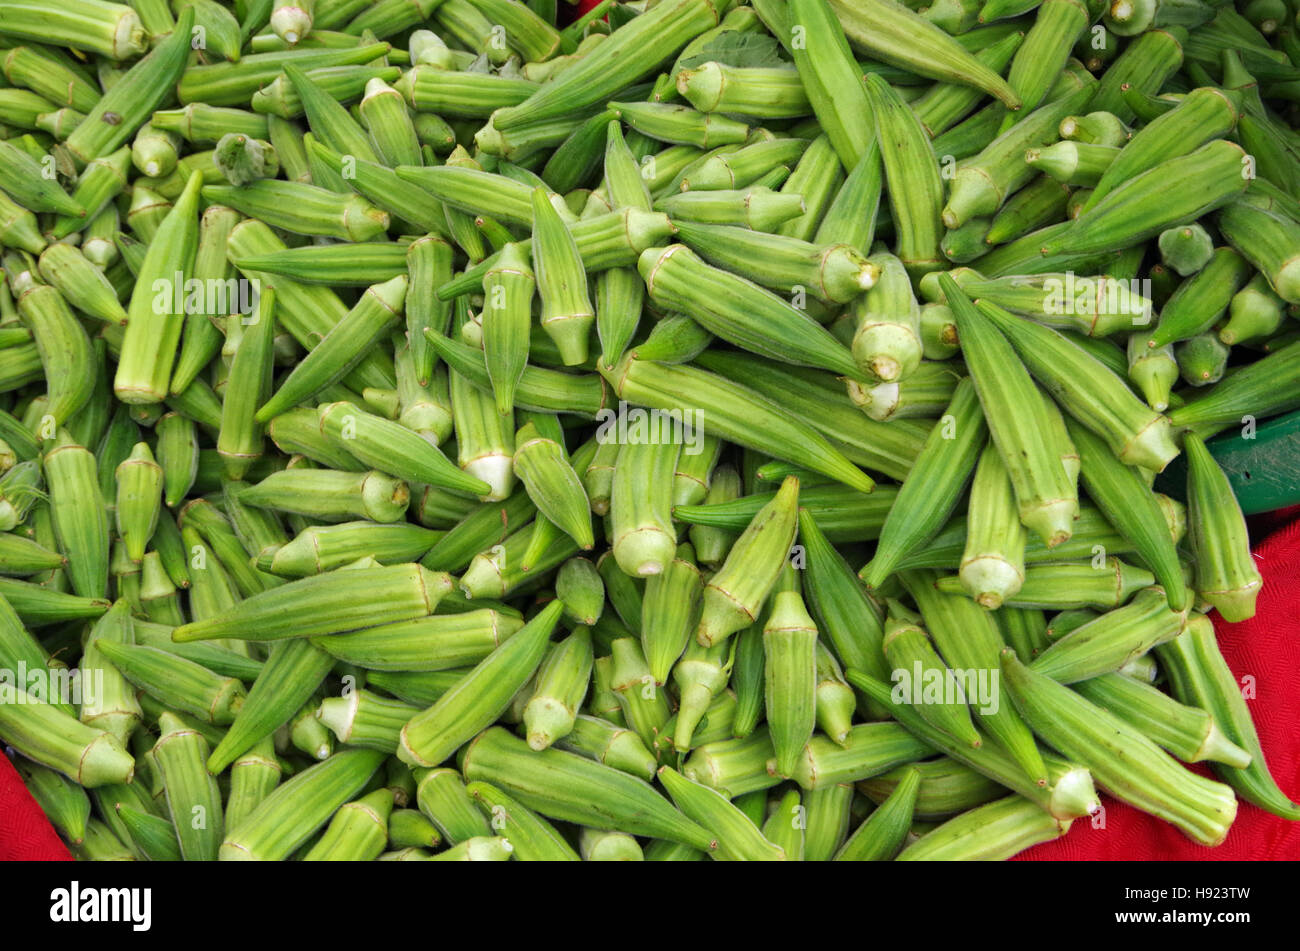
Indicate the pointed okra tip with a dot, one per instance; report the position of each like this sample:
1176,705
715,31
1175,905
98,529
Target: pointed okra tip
1010,662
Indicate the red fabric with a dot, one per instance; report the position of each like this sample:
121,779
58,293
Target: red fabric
1266,647
25,834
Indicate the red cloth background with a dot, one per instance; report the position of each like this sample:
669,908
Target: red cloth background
25,834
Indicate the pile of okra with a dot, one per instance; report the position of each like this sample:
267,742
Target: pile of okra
454,429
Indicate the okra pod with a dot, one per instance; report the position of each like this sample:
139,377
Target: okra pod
328,603
944,466
295,810
1123,760
567,787
1225,574
433,735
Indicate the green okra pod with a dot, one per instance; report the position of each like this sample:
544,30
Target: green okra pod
917,667
1186,249
567,787
644,705
327,603
326,547
579,585
870,748
410,828
912,174
1267,240
393,448
365,719
507,315
130,101
335,264
990,832
1190,733
1108,642
30,188
79,515
153,332
1199,676
641,533
193,799
240,439
44,733
1088,391
65,351
670,611
113,705
835,272
358,831
636,49
1101,583
158,595
711,543
1182,188
790,677
993,562
827,816
733,596
431,643
887,324
1068,794
1123,760
543,467
700,675
81,284
830,78
295,810
605,742
947,787
677,124
303,209
433,735
741,312
64,802
534,839
784,827
762,92
1255,312
1198,303
331,496
949,457
609,846
984,182
366,324
734,767
883,833
559,689
1120,494
1225,573
149,834
253,776
850,620
177,451
1256,389
738,838
292,673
